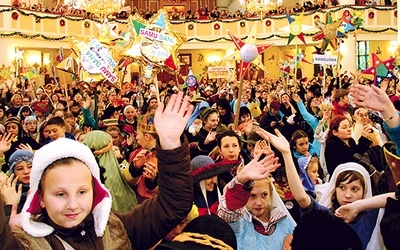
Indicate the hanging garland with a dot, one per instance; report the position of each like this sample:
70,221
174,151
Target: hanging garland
277,17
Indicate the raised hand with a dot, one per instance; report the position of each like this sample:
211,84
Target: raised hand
258,169
210,137
296,97
26,147
171,121
5,142
370,97
278,140
9,192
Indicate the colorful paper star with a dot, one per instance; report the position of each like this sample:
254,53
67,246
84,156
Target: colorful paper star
105,32
154,42
296,28
5,73
297,59
239,44
329,33
380,69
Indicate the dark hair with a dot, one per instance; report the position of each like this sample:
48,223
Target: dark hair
340,93
56,120
319,229
229,133
244,111
297,135
334,124
347,176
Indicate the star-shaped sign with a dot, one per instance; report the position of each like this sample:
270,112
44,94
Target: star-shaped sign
296,28
380,69
19,54
297,59
154,41
105,32
5,72
248,49
329,33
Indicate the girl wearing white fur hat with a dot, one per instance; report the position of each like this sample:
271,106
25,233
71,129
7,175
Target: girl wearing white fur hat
69,208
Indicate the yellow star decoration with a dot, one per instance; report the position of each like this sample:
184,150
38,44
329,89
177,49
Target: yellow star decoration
329,31
5,73
154,42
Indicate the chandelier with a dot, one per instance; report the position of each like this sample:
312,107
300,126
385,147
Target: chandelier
101,8
260,6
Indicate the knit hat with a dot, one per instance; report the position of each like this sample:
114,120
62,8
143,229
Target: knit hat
146,124
46,155
203,167
13,119
18,156
204,113
40,107
30,118
204,232
275,105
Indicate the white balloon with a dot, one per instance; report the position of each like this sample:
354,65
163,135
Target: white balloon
248,52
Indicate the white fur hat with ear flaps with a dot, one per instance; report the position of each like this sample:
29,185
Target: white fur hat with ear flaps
56,150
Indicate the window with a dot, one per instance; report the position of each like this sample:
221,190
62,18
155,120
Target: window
362,55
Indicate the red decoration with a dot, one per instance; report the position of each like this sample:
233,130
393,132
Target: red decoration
346,13
395,13
15,15
268,23
216,26
62,22
371,15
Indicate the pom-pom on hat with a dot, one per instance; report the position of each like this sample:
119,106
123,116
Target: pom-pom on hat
17,157
203,167
48,154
